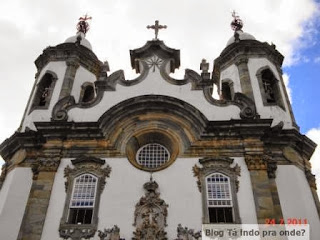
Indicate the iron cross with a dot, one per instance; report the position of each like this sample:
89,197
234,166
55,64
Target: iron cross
156,28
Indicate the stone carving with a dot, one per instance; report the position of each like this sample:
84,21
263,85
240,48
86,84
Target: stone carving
77,232
255,162
311,179
87,164
247,106
110,234
218,164
45,165
271,164
154,62
59,112
262,162
150,216
184,233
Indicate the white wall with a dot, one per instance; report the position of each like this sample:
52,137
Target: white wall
232,73
155,84
296,198
124,188
13,199
272,112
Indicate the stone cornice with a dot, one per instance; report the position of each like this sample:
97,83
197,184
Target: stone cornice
248,48
69,134
67,51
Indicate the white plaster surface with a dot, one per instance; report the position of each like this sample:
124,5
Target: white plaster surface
124,188
231,73
44,115
13,199
296,198
269,112
81,77
154,84
245,195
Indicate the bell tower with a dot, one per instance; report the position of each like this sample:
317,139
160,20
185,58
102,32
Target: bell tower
65,75
253,68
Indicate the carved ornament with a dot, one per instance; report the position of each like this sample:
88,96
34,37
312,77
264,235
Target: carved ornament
184,233
110,233
150,216
218,164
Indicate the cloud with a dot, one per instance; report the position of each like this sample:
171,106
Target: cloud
314,135
286,78
316,60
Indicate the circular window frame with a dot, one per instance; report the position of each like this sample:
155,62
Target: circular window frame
138,140
155,160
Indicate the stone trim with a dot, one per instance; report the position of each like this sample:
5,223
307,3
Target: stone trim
65,51
82,165
279,98
212,165
244,76
34,106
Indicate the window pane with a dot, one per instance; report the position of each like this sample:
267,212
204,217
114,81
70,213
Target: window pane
84,191
218,190
152,155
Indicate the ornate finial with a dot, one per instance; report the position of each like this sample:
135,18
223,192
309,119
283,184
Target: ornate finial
83,25
156,28
237,23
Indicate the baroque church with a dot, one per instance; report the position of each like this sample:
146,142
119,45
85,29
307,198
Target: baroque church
98,156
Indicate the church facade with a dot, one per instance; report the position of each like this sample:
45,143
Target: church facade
98,156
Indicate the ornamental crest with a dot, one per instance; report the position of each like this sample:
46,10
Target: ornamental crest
150,216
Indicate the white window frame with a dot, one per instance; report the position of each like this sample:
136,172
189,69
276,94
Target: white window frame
155,161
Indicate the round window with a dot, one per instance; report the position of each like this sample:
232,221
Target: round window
152,155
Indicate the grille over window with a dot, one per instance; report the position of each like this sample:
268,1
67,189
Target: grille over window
218,190
152,155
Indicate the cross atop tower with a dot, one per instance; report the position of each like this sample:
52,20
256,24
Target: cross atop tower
83,25
156,28
237,23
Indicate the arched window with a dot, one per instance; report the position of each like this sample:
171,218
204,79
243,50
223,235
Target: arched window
83,199
269,88
87,93
44,92
219,198
152,155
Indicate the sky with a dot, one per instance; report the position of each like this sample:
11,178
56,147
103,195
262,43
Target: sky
199,28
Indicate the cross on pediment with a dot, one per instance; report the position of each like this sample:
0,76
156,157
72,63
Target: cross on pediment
156,28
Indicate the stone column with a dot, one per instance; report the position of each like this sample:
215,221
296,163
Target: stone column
44,171
72,66
242,64
265,192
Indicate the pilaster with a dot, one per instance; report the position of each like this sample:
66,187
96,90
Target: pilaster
44,170
72,66
262,173
242,65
